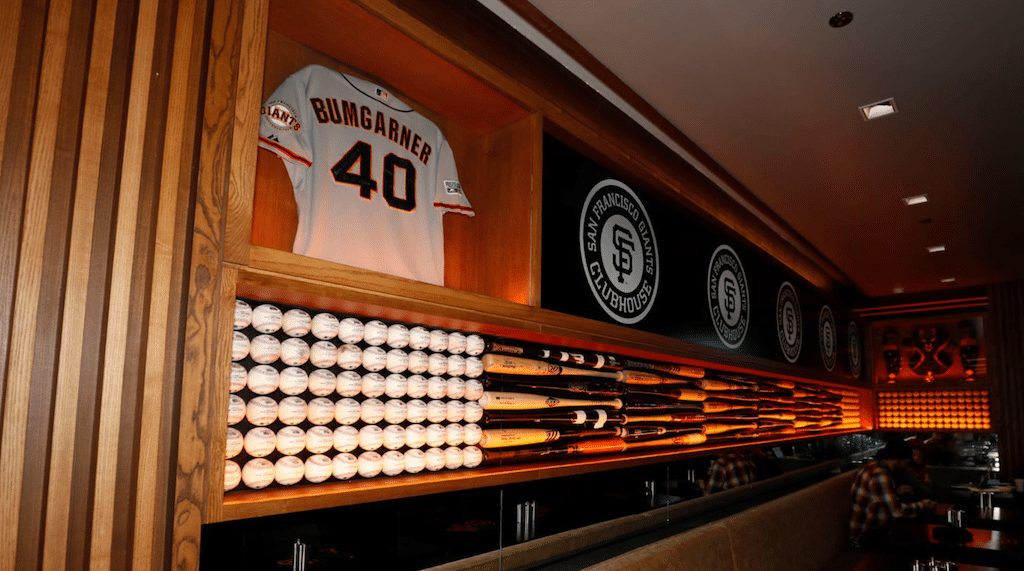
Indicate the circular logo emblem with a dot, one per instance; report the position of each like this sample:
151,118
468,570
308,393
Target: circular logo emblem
827,337
728,298
281,116
853,339
789,322
619,251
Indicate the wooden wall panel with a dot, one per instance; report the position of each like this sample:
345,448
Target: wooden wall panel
99,119
1005,333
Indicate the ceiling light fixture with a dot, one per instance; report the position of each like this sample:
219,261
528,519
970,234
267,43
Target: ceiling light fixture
878,109
840,19
948,280
936,249
915,200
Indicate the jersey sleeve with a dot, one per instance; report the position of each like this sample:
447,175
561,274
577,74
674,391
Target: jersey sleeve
285,121
448,194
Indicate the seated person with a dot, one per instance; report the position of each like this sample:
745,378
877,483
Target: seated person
730,470
913,482
873,496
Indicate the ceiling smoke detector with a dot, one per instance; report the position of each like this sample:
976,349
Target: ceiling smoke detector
878,109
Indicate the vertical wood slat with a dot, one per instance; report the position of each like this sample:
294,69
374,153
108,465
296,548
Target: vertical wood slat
1005,333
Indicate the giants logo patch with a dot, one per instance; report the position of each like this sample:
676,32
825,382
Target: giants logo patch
853,341
789,322
728,297
281,116
619,251
827,337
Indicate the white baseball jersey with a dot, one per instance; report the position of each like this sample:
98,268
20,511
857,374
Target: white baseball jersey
372,177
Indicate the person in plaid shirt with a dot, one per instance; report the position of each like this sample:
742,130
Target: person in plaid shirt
874,499
729,471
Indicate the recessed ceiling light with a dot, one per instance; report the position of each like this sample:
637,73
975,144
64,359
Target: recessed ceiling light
878,109
840,19
948,280
916,199
936,249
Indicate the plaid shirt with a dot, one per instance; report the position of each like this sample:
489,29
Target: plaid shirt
874,500
730,471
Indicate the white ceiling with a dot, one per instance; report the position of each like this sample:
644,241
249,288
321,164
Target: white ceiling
771,92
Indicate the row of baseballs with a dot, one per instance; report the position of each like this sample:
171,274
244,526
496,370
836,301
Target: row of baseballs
291,440
268,318
264,379
295,352
292,410
259,473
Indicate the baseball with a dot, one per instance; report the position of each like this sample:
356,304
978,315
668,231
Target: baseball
288,470
239,346
472,433
350,330
434,459
293,381
392,463
266,318
456,343
373,385
453,457
416,387
238,378
415,460
394,411
350,356
455,411
324,326
474,367
455,388
436,435
419,338
243,315
322,382
371,437
416,411
418,362
323,354
371,411
232,475
346,438
258,473
437,411
474,412
438,341
345,466
233,444
321,411
456,365
375,332
397,361
261,411
472,456
260,441
394,437
292,410
475,345
374,359
265,349
437,388
294,352
319,439
236,409
454,434
350,384
291,440
415,436
295,323
263,379
395,386
437,364
474,390
370,464
346,411
398,336
318,468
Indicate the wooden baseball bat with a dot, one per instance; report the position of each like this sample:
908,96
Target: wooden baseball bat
507,437
689,395
496,400
711,407
663,407
676,418
591,418
636,433
604,389
776,415
670,368
670,441
509,365
720,428
577,358
779,384
608,445
719,385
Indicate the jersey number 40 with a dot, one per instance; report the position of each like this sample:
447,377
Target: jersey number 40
355,168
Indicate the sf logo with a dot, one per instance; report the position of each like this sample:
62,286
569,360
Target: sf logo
622,256
789,320
731,291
